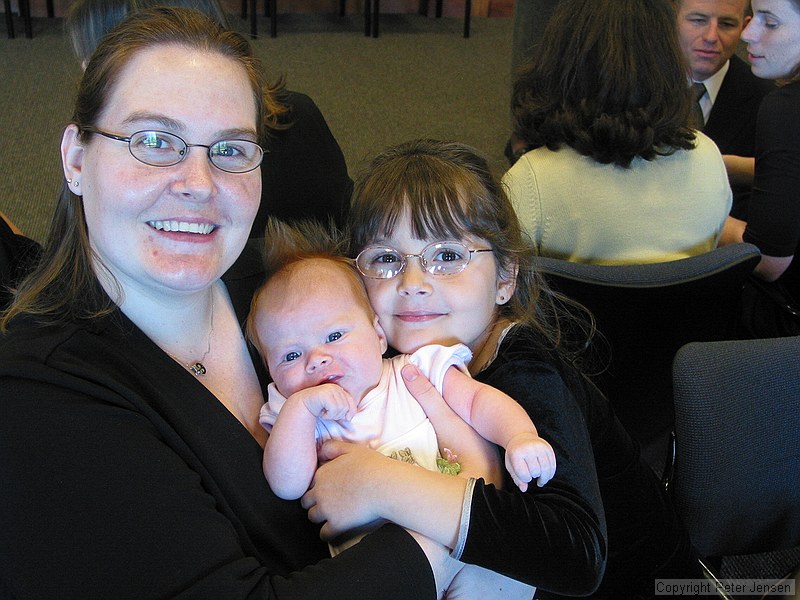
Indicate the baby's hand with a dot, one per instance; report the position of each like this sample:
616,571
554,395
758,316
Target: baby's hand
328,401
527,457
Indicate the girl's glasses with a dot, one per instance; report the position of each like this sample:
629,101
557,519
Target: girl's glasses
439,258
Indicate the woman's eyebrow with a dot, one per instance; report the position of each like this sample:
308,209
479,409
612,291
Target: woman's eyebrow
159,119
174,125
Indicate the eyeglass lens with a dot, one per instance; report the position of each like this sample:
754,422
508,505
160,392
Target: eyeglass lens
162,149
440,258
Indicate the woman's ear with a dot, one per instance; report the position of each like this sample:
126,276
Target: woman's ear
506,284
72,151
381,335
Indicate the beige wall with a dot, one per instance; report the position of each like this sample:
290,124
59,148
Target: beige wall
500,8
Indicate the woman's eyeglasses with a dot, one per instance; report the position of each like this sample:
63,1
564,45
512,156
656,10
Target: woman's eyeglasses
162,149
439,258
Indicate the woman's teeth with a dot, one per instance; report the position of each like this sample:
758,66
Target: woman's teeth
202,228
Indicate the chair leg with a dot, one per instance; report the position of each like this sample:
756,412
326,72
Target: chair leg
25,12
253,19
367,17
467,17
244,9
50,10
9,19
438,8
342,7
273,18
376,15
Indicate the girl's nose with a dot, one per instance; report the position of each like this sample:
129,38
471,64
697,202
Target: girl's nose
413,280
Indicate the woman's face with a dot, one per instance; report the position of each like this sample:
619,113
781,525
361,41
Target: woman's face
177,228
416,308
773,38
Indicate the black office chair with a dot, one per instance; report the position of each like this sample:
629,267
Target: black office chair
372,10
646,313
736,473
271,11
25,13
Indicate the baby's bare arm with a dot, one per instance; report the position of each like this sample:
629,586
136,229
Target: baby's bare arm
290,455
477,456
498,418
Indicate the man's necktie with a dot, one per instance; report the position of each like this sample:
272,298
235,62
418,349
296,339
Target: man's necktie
698,122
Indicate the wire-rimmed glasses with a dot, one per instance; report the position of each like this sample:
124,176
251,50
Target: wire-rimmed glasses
439,258
164,149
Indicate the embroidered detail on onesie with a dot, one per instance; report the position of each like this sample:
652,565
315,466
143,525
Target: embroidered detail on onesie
448,465
404,455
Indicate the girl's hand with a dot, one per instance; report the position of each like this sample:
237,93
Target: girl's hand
345,491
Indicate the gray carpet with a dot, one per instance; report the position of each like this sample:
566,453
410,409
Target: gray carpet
419,79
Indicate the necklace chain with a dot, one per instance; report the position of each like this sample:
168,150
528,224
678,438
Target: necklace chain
196,367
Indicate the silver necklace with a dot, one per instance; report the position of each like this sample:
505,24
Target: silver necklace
197,368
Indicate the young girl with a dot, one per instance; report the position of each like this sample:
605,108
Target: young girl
427,191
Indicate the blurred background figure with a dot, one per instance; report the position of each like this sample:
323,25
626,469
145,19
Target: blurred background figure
709,32
772,219
615,173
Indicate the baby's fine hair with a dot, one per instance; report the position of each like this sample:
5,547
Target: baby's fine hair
286,247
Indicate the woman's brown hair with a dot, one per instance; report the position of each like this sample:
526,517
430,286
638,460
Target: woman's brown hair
608,80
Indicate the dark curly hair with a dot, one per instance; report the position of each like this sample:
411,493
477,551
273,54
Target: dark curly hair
609,81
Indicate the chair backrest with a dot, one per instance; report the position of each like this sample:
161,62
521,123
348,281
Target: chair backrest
736,479
646,312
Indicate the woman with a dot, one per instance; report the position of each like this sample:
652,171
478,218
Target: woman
129,439
773,219
424,192
304,176
614,174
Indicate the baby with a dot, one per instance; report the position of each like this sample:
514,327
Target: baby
323,345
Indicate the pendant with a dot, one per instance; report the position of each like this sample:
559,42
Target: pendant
197,369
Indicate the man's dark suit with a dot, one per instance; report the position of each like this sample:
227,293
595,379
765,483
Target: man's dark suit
732,122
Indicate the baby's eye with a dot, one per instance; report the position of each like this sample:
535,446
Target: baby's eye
334,336
291,356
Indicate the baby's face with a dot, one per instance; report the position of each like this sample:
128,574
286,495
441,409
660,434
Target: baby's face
313,330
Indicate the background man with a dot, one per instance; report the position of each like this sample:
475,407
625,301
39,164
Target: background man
709,32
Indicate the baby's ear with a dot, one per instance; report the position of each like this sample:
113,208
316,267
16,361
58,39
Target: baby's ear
381,334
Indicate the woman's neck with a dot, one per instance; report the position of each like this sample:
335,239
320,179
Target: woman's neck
181,324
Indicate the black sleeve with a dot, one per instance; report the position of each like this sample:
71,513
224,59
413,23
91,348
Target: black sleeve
99,502
17,255
552,537
773,219
304,174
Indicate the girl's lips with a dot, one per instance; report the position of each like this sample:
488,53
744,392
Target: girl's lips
417,317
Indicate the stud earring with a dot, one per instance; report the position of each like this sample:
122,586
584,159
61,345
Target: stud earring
69,180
